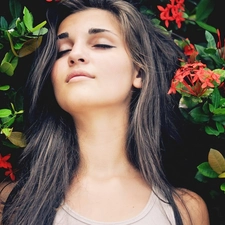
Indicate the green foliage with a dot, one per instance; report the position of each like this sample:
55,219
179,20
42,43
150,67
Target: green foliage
18,38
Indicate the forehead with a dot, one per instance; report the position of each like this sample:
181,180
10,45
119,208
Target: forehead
86,19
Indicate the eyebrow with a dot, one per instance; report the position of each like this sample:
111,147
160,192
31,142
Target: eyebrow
99,30
90,31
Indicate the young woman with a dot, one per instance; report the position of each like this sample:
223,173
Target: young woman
97,109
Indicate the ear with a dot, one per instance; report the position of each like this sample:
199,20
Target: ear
137,81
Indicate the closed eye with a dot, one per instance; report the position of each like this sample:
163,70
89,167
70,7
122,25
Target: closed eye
103,46
61,53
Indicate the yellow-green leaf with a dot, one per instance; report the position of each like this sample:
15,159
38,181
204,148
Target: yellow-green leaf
29,46
6,131
7,69
216,161
222,175
17,139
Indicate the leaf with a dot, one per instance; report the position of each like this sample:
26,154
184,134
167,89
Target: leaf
4,88
7,68
29,46
216,161
40,32
7,131
206,27
219,118
220,127
15,8
222,175
189,102
222,187
216,98
221,73
204,9
17,138
205,169
28,19
200,177
8,121
198,115
5,113
39,26
211,131
3,23
211,41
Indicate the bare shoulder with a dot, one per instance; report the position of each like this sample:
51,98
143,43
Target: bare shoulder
192,208
5,189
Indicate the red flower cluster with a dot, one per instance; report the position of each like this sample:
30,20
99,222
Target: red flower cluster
7,165
172,12
193,79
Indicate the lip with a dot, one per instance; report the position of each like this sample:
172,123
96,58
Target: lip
78,73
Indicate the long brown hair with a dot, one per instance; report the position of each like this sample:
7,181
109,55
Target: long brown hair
51,157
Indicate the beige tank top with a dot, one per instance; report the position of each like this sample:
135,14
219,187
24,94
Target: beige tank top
156,212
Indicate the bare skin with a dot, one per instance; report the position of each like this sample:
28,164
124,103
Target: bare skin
106,186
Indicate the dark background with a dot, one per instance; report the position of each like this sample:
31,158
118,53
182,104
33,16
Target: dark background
183,155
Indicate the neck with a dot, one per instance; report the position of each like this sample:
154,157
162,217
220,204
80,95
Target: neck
102,142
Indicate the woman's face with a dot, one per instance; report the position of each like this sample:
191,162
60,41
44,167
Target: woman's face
94,69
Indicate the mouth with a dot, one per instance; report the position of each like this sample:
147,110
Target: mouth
78,75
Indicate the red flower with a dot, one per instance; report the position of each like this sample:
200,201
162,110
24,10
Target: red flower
7,165
193,79
10,173
3,161
172,12
189,50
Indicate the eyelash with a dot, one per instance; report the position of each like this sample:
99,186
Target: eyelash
103,46
60,54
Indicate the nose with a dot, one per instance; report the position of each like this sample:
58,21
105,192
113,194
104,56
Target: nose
78,55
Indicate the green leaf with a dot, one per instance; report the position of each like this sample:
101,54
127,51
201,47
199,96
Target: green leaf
189,102
40,32
3,23
204,9
221,73
8,121
219,118
5,113
216,98
211,131
206,27
6,131
28,19
198,115
15,8
220,127
205,169
205,108
200,177
39,26
210,51
211,41
222,187
7,68
4,88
